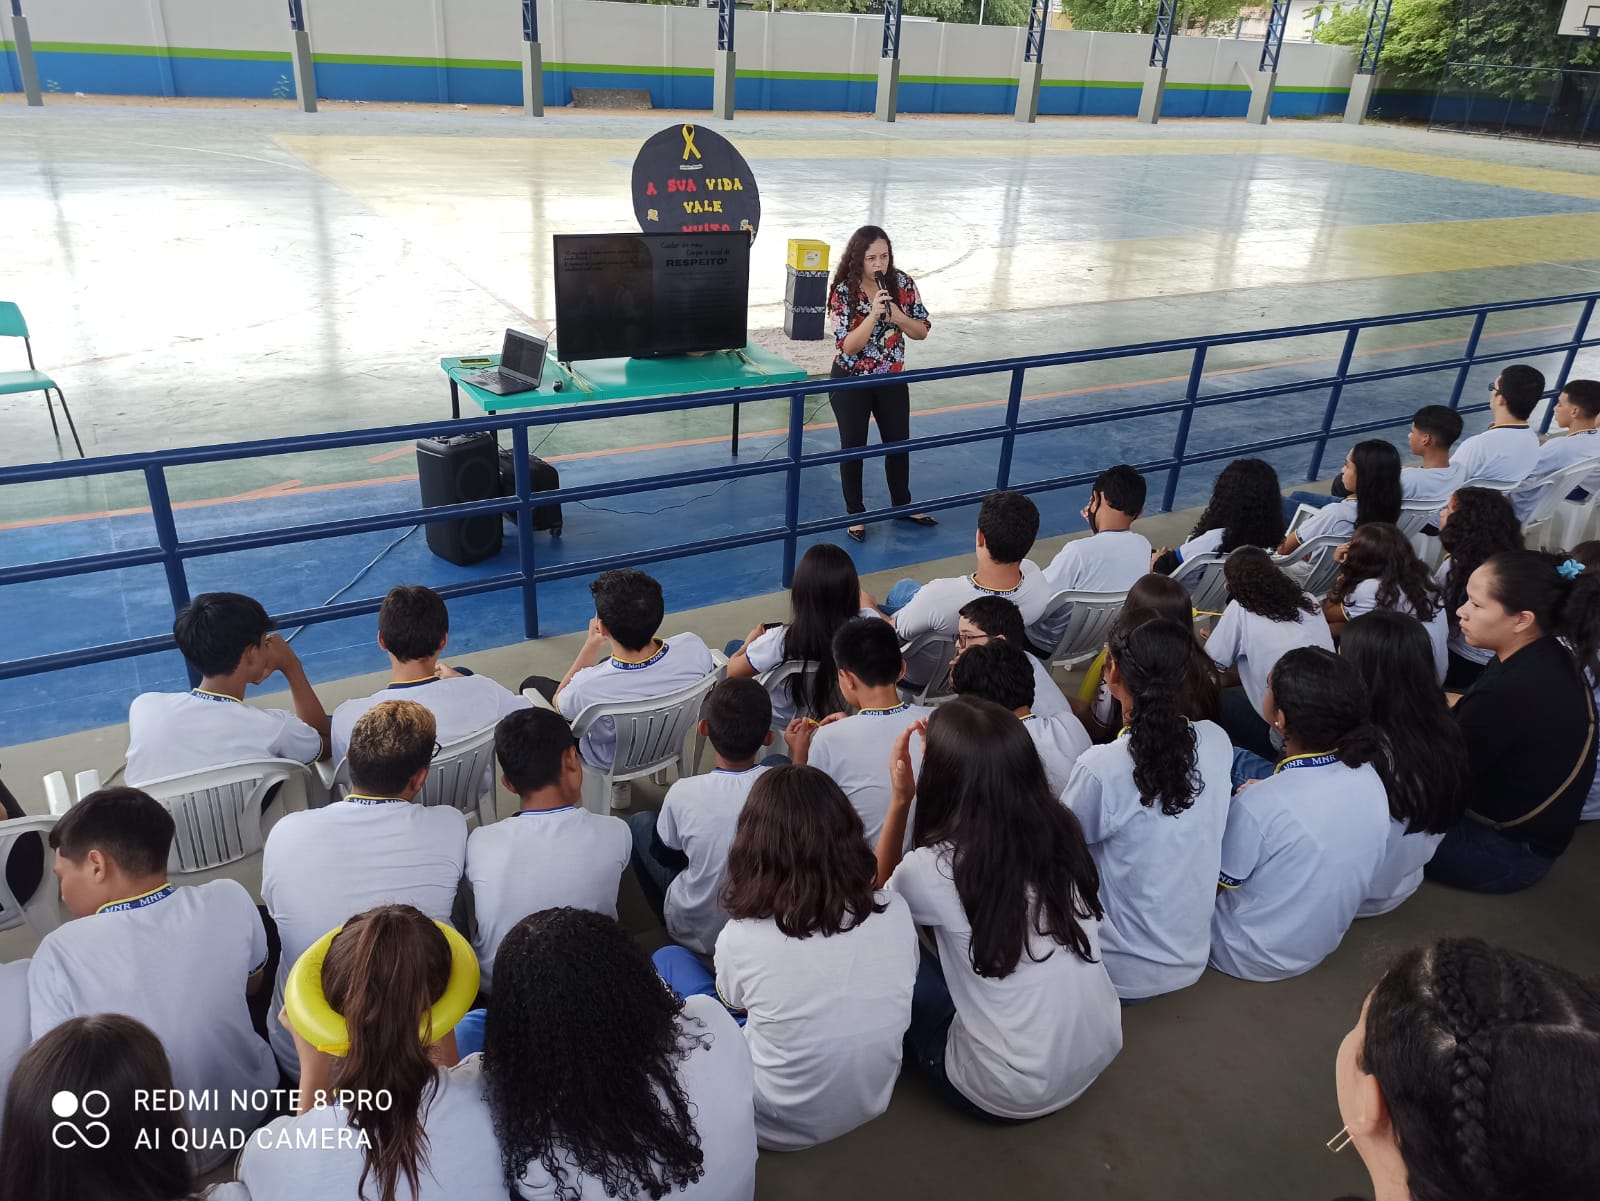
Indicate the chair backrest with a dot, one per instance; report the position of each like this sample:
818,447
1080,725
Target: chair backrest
1089,617
777,681
462,777
218,811
1318,566
937,688
1414,517
1203,578
1556,485
12,324
651,733
43,909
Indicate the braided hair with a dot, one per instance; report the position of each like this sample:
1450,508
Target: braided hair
1486,1060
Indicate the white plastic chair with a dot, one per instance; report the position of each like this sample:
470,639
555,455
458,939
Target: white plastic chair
57,795
650,738
777,681
1088,619
461,776
1312,564
218,811
1555,522
937,688
43,910
1203,578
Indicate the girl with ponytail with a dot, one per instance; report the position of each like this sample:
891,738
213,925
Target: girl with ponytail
382,1122
1153,805
1528,720
1303,846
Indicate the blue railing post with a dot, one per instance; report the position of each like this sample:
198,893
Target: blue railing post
1469,357
1569,359
522,470
1002,479
1180,444
1333,402
791,486
155,482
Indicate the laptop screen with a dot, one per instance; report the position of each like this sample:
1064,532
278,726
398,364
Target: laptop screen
523,354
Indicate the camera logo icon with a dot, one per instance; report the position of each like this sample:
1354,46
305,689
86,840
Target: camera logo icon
93,1105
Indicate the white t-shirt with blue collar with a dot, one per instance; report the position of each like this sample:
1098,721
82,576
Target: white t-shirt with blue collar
698,817
1554,455
855,752
675,666
1502,454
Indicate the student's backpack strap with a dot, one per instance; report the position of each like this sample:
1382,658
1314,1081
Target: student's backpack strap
1586,757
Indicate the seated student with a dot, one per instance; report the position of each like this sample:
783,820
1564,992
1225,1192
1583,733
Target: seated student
1529,720
628,611
1477,523
1371,477
427,1134
1245,509
1113,557
228,639
180,960
604,1084
825,594
1577,412
995,619
1153,805
1015,1016
1303,847
1588,553
1434,430
850,749
322,866
803,910
1008,522
1504,454
413,630
1000,673
1382,571
15,1034
553,851
1470,1074
1427,756
1267,615
128,1149
681,855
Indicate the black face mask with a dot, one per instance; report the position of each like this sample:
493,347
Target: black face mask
1089,516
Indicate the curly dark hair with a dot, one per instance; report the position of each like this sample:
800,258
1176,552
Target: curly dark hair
1480,523
1256,583
1246,505
580,1055
1152,660
852,266
1379,551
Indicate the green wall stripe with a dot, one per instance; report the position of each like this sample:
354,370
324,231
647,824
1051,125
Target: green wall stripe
157,52
1088,83
628,69
810,76
397,60
977,80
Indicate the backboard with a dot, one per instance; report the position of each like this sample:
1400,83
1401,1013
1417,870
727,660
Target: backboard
1580,19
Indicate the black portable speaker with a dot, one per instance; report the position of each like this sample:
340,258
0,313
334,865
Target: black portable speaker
451,471
542,477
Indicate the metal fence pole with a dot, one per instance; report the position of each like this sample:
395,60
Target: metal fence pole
1334,393
523,471
1469,354
155,482
1180,444
791,485
1013,411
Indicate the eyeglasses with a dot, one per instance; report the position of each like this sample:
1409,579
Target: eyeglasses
965,640
1494,389
436,749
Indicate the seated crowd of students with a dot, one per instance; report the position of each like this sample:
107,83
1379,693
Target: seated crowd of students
1232,798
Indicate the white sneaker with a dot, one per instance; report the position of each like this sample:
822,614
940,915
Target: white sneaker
621,795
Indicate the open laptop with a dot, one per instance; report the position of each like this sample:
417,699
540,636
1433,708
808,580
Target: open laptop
521,367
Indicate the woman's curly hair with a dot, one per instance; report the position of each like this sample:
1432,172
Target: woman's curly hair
581,1053
1257,584
1246,505
1379,551
1483,524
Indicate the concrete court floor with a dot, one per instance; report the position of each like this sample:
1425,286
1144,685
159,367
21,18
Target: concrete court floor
199,276
1223,1092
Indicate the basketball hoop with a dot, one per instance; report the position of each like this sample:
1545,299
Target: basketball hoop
1579,19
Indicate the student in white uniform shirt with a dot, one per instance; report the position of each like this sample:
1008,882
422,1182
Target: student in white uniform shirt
413,630
1504,454
602,1083
1434,430
1381,571
995,619
999,672
1245,509
552,851
1427,754
405,1128
180,960
1578,412
825,594
1266,616
1153,805
629,609
127,1149
803,909
14,1032
851,749
1371,479
681,854
376,847
1476,524
1113,557
228,639
1304,847
1008,522
1015,1017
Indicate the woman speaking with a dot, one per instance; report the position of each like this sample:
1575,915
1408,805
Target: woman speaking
874,309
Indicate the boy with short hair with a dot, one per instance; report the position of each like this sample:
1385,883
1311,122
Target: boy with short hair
229,640
994,618
999,672
413,630
681,856
1008,523
323,866
1505,453
553,852
1113,556
855,750
1434,430
1577,412
180,960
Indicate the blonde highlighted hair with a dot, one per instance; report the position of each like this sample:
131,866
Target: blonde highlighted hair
390,743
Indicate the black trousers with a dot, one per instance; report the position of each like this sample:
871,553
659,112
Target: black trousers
890,405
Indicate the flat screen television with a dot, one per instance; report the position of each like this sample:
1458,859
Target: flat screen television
648,295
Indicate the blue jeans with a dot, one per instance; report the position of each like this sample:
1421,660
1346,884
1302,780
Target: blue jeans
687,976
1315,500
1247,765
932,1012
469,1032
1246,728
1478,859
653,875
900,596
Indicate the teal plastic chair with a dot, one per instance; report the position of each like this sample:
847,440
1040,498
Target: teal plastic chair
12,325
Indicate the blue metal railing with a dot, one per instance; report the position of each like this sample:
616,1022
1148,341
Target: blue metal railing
171,551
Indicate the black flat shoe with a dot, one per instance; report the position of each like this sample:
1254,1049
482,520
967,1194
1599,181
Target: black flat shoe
858,533
921,519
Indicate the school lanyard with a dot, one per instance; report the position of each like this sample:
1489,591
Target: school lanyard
1312,759
215,696
149,898
361,798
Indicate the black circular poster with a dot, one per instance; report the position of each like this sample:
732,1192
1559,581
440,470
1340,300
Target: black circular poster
690,179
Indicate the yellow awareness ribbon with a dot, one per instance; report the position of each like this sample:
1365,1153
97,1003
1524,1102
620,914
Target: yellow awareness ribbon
688,143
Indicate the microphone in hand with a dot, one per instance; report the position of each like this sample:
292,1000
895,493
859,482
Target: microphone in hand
878,279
